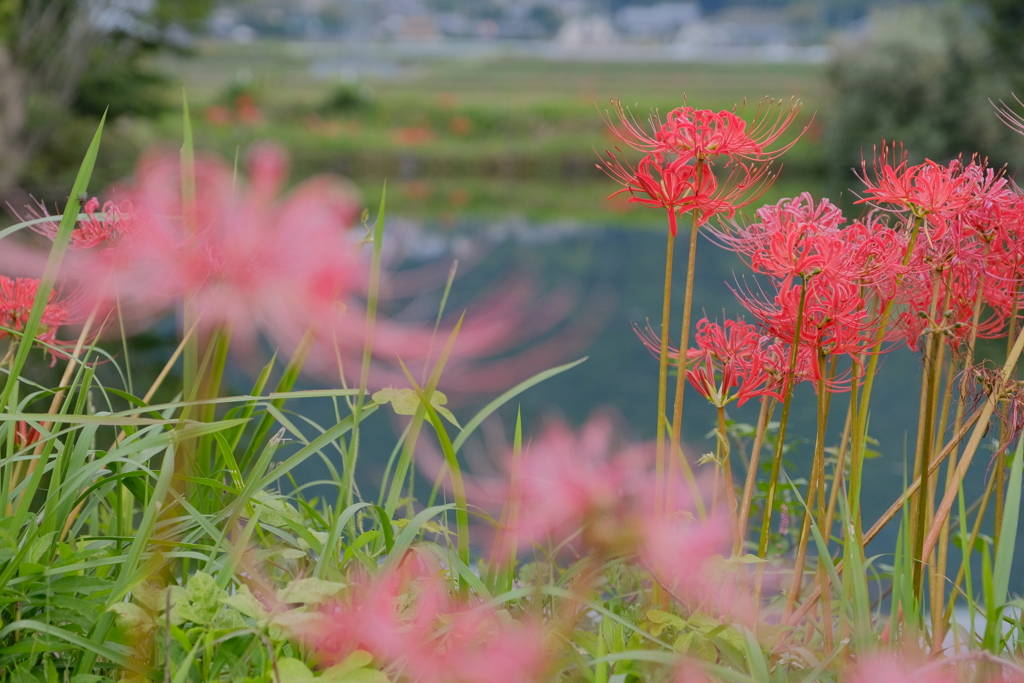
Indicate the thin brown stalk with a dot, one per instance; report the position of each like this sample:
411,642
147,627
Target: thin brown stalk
767,408
69,369
972,446
724,457
1001,457
894,509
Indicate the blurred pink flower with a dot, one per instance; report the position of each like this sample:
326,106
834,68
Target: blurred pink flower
291,269
591,490
243,259
893,668
408,619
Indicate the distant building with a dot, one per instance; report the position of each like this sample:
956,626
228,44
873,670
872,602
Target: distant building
656,22
409,20
592,31
744,35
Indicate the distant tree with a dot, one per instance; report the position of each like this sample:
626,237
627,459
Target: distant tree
1004,25
923,77
67,57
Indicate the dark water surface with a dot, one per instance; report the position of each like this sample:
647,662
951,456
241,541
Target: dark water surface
617,275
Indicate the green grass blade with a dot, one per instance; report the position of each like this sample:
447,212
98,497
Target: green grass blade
478,419
60,247
1004,553
121,660
409,533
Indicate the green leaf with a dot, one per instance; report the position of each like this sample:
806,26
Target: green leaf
356,660
664,620
1004,551
696,645
275,510
132,619
246,603
311,591
406,401
358,676
354,670
292,670
204,596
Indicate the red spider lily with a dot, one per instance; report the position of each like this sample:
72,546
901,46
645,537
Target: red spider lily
875,254
734,357
677,173
700,133
658,182
835,317
17,297
926,189
92,231
408,619
793,237
680,187
951,292
705,135
25,436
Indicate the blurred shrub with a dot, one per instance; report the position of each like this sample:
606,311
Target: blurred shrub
345,98
123,86
923,76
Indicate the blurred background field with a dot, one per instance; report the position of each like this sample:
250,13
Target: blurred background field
483,135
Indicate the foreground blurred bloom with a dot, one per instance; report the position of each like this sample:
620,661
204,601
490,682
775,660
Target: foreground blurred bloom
408,620
243,260
592,492
889,668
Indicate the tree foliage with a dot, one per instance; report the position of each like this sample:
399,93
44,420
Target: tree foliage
60,59
922,77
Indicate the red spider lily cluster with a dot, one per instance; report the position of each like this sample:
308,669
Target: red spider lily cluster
963,224
697,160
940,253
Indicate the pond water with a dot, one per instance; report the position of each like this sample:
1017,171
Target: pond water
615,274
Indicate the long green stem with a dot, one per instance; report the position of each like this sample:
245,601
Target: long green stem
666,309
684,342
860,425
815,493
934,370
724,457
767,408
773,479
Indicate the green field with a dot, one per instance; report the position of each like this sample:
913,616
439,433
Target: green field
477,136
